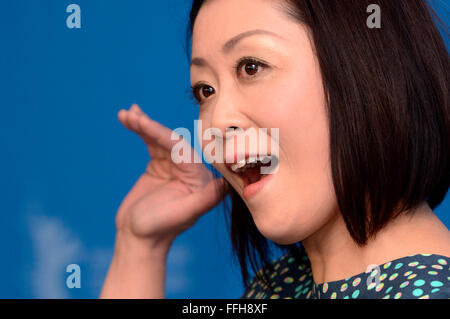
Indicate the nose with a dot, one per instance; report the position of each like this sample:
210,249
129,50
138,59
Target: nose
231,121
228,115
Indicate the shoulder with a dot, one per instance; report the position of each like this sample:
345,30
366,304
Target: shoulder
420,276
289,277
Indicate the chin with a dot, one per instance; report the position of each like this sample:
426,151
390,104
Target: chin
281,239
278,231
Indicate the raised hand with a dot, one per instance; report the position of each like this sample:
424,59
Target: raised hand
168,198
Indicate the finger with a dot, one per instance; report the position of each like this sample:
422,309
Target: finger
133,119
130,119
136,108
123,115
158,133
123,118
153,132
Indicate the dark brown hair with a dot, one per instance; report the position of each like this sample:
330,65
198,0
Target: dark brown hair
388,111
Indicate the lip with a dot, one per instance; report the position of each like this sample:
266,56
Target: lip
251,190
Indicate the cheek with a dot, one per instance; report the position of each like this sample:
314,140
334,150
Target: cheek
301,208
294,102
203,124
296,105
292,97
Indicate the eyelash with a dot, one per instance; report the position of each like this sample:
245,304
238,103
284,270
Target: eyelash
239,64
245,60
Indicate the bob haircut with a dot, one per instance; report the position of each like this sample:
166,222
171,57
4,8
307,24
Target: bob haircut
388,112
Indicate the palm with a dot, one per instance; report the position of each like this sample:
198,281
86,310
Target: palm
168,198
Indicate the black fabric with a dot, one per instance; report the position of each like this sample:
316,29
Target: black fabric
422,276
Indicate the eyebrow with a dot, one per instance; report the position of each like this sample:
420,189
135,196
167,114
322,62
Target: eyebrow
230,44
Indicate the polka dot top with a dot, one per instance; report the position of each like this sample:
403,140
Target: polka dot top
421,276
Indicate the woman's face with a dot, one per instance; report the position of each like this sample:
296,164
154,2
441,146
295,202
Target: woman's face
282,88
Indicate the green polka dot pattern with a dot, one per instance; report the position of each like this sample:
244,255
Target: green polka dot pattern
420,276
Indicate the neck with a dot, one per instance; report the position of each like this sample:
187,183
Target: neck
335,256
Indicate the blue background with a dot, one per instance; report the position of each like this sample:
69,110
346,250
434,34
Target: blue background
66,160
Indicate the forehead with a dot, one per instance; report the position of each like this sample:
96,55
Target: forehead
220,20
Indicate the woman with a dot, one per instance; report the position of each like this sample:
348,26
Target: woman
364,125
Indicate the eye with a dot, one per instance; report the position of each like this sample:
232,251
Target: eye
249,67
202,92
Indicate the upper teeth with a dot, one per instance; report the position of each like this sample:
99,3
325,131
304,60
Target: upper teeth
249,162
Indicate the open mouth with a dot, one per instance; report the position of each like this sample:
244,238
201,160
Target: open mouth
251,169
